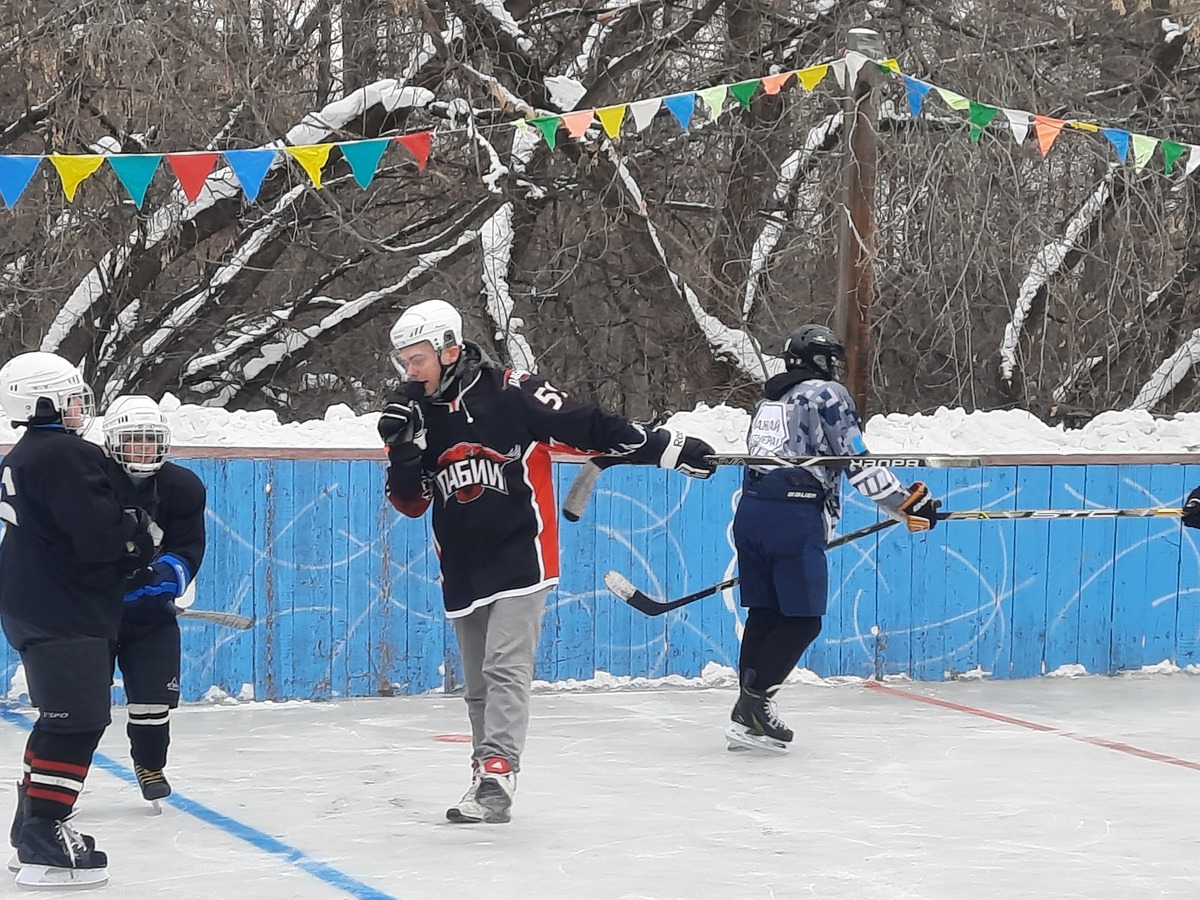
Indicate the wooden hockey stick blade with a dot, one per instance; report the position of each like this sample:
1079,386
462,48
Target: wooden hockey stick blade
230,620
639,600
890,460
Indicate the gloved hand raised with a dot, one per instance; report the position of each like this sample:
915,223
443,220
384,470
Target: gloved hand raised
139,546
1191,509
402,423
919,508
682,452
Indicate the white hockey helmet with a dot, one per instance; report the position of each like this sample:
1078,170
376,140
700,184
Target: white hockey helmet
435,321
136,434
40,388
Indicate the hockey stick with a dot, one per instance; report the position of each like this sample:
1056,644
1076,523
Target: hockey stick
896,461
581,488
624,588
1142,512
232,620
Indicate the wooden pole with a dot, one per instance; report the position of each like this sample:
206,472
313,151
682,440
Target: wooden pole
856,251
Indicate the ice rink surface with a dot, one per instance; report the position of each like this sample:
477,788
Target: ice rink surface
1063,788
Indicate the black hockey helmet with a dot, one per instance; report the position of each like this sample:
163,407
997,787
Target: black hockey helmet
818,349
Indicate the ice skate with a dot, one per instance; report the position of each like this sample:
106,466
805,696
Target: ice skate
53,856
489,798
755,725
154,785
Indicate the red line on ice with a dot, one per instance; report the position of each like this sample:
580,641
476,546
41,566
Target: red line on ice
1035,726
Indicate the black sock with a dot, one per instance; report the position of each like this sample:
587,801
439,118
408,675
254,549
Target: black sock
779,642
58,764
148,745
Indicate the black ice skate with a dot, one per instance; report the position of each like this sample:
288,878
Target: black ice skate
493,793
754,724
153,783
52,854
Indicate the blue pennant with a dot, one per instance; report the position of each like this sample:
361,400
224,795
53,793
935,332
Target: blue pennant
250,167
15,175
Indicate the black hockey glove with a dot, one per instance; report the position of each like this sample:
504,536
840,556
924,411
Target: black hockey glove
1191,509
682,452
402,423
139,546
919,508
161,581
404,476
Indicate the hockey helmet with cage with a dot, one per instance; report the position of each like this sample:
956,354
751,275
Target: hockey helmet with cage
435,321
136,434
818,349
39,388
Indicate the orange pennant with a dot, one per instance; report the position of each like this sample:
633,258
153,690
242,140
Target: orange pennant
577,123
1047,130
772,84
419,145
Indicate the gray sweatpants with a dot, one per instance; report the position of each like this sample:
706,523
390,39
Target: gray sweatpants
498,643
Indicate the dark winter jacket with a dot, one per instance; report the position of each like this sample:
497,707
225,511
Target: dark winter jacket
486,471
64,559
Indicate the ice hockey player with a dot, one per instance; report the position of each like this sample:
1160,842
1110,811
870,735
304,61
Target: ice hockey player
138,437
785,517
69,545
473,440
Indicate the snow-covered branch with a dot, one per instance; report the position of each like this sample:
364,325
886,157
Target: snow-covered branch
1169,373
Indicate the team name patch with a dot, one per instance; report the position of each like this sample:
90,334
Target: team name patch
466,470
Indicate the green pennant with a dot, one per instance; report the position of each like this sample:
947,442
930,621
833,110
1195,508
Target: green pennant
743,91
548,126
979,114
1171,152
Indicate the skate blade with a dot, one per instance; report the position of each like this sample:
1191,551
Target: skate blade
156,808
51,878
741,740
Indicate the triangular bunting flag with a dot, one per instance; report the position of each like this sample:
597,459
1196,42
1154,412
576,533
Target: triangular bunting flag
1047,129
812,76
1171,153
578,123
953,100
250,167
854,62
312,158
191,170
744,90
980,115
891,65
74,170
1193,160
771,84
915,90
839,72
15,174
611,118
1143,149
364,157
135,172
1019,122
681,107
1119,139
714,99
548,126
1083,126
419,144
644,112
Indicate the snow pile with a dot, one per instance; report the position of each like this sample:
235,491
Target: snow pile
949,431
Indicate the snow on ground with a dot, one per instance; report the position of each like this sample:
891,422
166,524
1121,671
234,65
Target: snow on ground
1066,788
946,431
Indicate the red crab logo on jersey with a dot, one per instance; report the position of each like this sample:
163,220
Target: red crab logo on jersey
466,470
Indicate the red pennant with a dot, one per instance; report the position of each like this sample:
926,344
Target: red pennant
191,169
418,144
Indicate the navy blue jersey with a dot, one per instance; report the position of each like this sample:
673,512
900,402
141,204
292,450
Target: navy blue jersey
63,560
174,498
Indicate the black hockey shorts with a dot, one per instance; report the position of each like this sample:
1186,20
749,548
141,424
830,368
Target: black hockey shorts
70,682
148,654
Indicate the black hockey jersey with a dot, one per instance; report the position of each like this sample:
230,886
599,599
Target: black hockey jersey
486,471
174,497
63,560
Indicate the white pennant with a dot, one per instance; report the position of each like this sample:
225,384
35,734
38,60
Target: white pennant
1019,122
839,72
643,111
1193,160
854,63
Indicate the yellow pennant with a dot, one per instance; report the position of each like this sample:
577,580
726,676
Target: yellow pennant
611,118
893,64
74,170
312,157
812,76
1082,126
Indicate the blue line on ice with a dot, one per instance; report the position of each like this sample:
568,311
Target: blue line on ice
253,836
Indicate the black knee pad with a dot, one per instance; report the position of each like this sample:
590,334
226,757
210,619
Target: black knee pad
70,682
